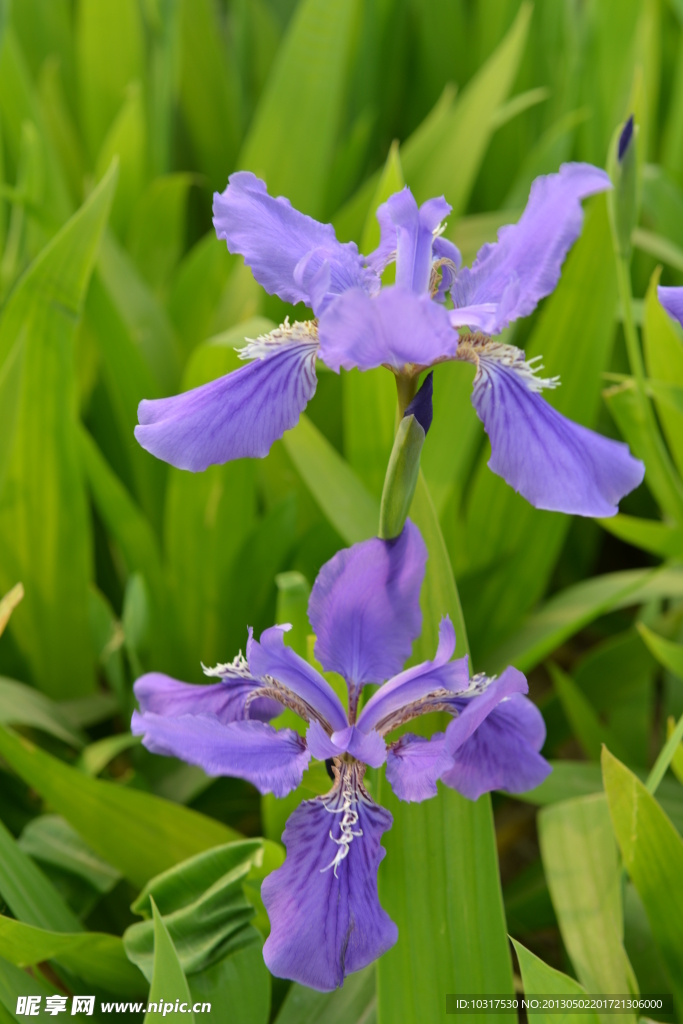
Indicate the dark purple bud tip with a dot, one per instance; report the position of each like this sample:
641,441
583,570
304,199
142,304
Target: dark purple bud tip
625,138
421,405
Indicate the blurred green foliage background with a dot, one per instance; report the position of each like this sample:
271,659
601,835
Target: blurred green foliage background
118,119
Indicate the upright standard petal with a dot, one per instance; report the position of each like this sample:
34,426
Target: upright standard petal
285,249
554,463
270,657
365,607
409,231
325,915
502,752
397,328
226,700
237,416
368,747
672,300
524,265
272,760
401,695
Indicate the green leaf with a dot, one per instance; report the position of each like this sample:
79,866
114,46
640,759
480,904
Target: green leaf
540,979
208,519
96,756
23,705
293,592
96,958
649,534
43,481
28,893
110,50
145,318
659,247
208,92
203,906
156,235
566,613
335,487
664,361
8,603
10,391
514,546
136,832
586,726
653,856
293,132
677,759
168,981
19,105
14,983
128,378
52,840
126,140
196,289
452,166
456,837
139,547
665,757
642,435
353,1004
582,868
668,654
570,779
237,988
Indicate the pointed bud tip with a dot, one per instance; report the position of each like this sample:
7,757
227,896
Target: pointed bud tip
625,138
421,405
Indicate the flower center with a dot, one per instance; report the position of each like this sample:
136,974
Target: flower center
343,799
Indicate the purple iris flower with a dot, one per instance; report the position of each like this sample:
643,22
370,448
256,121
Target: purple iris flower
326,919
410,326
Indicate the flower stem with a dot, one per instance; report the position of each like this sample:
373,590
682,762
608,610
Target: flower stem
406,388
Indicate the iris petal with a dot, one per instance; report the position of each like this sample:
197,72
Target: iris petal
672,300
554,463
226,700
411,686
369,748
272,760
524,265
502,753
414,765
237,416
397,328
285,249
365,607
325,915
270,657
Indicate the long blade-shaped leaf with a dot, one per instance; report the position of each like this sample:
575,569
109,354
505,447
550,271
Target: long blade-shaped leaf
138,833
582,869
44,526
291,140
653,857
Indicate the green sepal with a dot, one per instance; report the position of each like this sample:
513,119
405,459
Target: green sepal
401,478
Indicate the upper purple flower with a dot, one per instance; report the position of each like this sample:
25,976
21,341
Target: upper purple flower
406,327
325,915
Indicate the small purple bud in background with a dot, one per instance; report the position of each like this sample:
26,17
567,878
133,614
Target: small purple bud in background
625,138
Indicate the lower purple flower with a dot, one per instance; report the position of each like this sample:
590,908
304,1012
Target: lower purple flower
333,853
325,915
